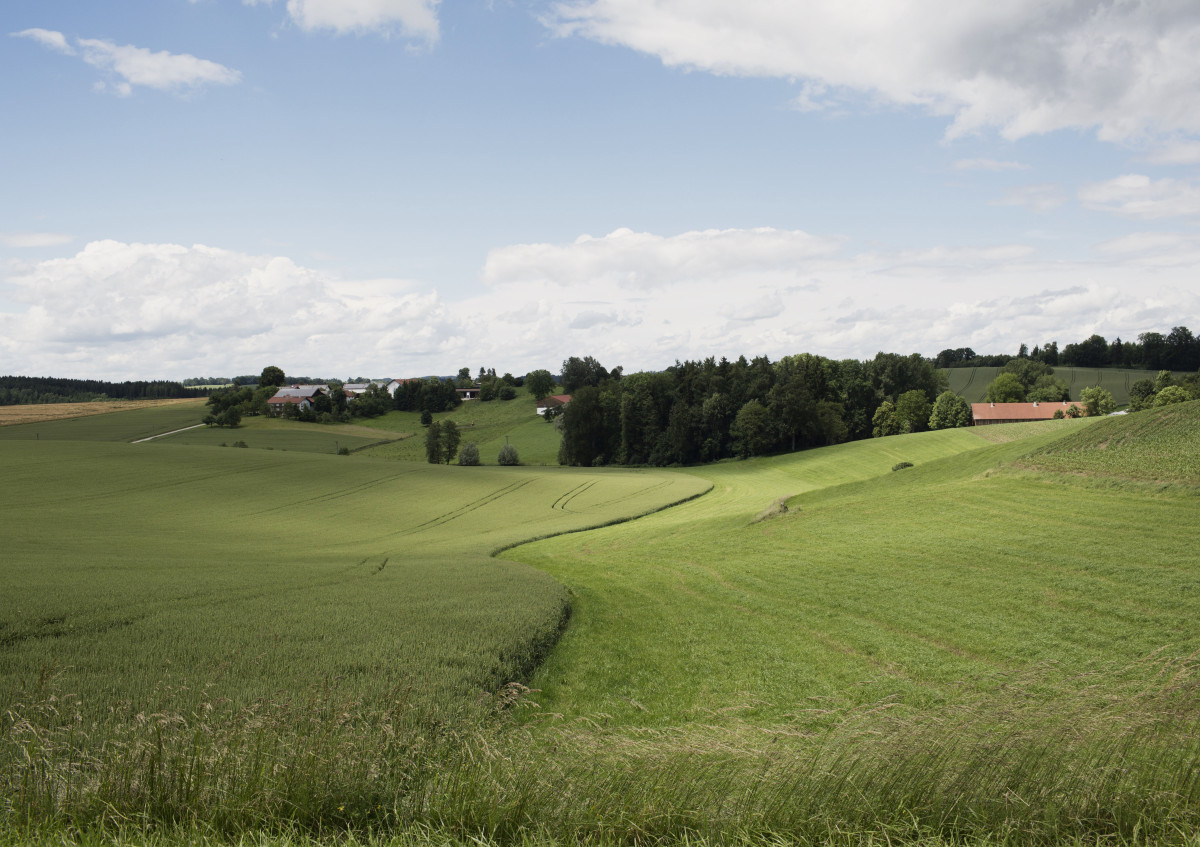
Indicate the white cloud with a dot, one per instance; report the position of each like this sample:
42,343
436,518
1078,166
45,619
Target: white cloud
687,297
411,18
639,260
163,71
641,300
132,66
33,239
988,165
1137,196
1041,197
47,38
142,310
1127,68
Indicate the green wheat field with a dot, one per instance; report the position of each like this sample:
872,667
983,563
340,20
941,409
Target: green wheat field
282,645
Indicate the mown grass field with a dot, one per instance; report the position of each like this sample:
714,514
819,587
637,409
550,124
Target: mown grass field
971,383
991,646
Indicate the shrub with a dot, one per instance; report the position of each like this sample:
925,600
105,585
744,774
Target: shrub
508,393
899,466
469,454
508,455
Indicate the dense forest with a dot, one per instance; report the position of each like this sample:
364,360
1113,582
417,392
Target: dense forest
21,390
708,410
1178,350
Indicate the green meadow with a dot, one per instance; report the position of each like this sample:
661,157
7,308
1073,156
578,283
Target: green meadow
994,644
490,425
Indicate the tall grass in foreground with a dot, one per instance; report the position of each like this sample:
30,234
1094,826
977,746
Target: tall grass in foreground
1115,756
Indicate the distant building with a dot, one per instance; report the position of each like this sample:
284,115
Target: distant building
295,395
995,413
554,401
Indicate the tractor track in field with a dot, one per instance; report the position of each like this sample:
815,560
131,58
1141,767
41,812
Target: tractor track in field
445,518
561,502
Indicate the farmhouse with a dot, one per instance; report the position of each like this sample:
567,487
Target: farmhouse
396,383
354,389
296,395
554,401
468,393
995,413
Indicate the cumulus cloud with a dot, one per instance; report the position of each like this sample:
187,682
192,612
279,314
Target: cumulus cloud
410,18
162,70
128,66
1127,69
1137,196
641,260
684,297
120,309
641,300
47,38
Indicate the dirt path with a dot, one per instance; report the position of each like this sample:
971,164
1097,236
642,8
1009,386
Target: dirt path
164,434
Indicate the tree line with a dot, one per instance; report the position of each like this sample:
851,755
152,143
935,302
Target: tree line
1178,350
22,390
703,411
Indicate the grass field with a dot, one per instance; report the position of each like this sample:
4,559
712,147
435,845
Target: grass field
267,433
488,424
995,645
274,571
971,383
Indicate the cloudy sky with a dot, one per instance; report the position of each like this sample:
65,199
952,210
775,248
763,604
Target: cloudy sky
405,187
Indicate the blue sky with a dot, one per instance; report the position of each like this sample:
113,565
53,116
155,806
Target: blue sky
402,187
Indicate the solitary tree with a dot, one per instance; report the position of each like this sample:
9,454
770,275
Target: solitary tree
450,438
540,383
272,375
433,443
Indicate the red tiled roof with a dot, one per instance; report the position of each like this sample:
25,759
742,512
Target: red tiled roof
1011,412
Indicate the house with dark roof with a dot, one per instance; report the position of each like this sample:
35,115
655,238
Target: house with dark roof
995,413
295,395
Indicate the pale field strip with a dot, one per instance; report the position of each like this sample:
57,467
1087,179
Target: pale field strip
36,412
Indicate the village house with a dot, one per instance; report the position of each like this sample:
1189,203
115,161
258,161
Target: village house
995,413
295,395
554,401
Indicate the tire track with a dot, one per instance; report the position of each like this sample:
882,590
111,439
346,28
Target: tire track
445,518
